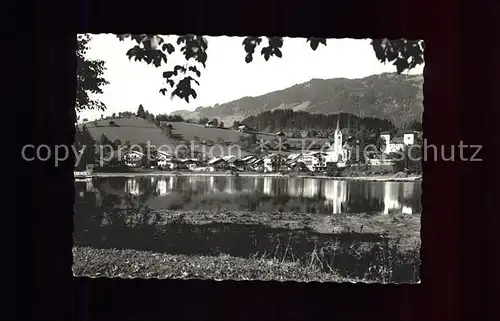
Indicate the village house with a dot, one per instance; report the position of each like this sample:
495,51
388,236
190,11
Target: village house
294,161
234,162
243,128
254,164
189,163
315,161
218,163
246,164
410,137
164,160
248,158
212,123
396,144
273,162
203,169
304,134
133,158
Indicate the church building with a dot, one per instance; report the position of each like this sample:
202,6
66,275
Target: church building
337,153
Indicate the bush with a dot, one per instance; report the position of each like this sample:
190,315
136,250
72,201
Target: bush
334,173
400,175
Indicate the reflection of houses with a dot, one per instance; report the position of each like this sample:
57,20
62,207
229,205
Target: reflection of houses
230,187
391,198
311,187
406,209
132,187
164,185
408,190
89,185
335,193
267,189
295,187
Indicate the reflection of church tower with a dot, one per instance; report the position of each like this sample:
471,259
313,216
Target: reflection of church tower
335,193
391,193
337,143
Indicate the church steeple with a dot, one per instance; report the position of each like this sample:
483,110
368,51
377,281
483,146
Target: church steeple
337,143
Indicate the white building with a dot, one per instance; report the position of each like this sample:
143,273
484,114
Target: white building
243,128
133,157
337,152
164,160
410,137
315,161
398,143
336,148
272,162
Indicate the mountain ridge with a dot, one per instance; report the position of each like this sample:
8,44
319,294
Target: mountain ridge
391,96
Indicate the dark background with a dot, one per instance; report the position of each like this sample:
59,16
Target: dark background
460,247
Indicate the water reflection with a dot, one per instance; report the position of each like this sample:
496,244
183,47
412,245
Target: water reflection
323,196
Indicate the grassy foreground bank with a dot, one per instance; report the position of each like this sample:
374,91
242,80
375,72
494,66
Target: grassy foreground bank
143,264
405,226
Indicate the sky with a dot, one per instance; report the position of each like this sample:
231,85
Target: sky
133,83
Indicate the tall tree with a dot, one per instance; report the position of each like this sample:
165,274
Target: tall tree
141,113
104,140
85,144
153,49
90,77
409,159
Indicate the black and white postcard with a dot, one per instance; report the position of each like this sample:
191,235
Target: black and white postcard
248,158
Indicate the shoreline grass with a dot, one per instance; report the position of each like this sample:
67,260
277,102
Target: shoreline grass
195,238
406,226
125,263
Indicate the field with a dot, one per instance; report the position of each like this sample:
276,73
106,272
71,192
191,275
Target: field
135,130
191,131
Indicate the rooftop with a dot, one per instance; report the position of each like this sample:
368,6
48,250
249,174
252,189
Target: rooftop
397,140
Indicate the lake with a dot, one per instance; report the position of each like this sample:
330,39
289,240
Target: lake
103,221
283,194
